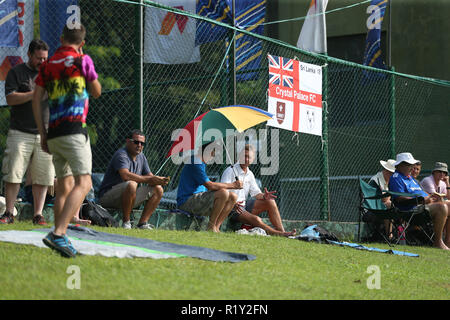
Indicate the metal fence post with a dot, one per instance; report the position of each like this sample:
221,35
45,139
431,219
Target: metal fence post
324,178
138,67
393,119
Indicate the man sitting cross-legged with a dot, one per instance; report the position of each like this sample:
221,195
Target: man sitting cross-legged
246,211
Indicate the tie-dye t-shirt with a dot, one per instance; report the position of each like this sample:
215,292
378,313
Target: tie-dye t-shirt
68,99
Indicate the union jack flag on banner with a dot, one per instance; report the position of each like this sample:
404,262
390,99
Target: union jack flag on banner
281,71
295,95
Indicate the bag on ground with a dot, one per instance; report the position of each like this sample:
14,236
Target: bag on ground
316,233
98,215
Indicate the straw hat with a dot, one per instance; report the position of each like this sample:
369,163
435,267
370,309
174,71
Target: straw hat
388,165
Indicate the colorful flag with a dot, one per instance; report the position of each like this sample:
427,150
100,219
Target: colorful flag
169,38
372,52
313,36
12,56
9,24
53,15
295,95
219,10
250,16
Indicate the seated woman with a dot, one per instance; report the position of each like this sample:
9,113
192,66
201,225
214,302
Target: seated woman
381,181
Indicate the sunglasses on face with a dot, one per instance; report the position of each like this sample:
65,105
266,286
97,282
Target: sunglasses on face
138,142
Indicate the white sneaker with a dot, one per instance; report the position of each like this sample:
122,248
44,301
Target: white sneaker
258,231
126,225
145,226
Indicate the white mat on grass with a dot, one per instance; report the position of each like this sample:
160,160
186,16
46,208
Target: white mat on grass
87,247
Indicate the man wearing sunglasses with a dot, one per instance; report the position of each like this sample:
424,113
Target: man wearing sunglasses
128,182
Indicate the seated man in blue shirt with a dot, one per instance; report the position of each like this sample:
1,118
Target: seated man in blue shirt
401,181
198,195
120,187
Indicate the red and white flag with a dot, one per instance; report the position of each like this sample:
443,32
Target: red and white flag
169,38
313,36
295,95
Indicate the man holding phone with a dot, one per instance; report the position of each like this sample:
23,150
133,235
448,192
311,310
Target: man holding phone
121,187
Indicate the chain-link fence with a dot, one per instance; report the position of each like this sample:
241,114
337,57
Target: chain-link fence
367,115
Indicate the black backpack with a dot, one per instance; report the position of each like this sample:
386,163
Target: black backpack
98,215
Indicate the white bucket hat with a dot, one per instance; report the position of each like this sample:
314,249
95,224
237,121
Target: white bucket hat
388,165
405,157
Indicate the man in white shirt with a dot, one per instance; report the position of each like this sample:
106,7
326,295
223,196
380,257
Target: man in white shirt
247,211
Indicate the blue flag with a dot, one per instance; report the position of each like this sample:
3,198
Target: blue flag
9,24
372,52
219,10
53,15
250,16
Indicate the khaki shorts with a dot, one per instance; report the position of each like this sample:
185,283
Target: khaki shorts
113,197
200,204
71,155
23,150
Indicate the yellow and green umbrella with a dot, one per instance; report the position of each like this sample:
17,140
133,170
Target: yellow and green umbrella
225,120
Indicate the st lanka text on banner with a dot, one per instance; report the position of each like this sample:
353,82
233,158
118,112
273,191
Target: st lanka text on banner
10,57
53,16
9,24
169,38
295,95
372,52
313,36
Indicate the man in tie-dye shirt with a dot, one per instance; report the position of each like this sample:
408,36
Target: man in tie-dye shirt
68,77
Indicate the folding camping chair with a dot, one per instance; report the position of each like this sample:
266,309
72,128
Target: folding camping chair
373,211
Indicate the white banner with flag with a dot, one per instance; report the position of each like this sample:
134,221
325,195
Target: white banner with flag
169,38
295,95
12,56
313,36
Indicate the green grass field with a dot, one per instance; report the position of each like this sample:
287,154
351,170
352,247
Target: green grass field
284,269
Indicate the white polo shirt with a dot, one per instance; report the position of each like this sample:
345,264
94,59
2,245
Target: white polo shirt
248,179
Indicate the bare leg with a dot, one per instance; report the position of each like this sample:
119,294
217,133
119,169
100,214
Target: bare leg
255,221
151,204
62,190
39,194
439,214
220,199
11,191
229,205
272,210
447,225
72,202
388,228
128,198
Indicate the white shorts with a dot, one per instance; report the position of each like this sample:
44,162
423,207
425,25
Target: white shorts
23,150
71,155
